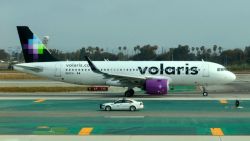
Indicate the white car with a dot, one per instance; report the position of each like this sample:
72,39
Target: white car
122,104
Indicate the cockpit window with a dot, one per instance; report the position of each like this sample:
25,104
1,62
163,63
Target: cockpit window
221,69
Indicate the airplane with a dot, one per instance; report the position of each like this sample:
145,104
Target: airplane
155,77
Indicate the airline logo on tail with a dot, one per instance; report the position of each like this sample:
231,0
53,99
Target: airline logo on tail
34,47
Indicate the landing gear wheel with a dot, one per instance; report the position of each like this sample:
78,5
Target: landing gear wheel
205,94
129,93
132,108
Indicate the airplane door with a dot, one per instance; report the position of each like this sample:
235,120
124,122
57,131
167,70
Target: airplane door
58,70
205,71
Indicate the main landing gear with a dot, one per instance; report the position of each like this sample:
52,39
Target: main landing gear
129,93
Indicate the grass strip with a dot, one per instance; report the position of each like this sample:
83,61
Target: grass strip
18,76
42,89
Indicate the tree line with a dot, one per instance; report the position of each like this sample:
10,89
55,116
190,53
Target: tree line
228,57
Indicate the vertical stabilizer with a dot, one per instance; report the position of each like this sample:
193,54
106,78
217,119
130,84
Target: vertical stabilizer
33,48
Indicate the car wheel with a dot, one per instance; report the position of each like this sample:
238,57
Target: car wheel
107,108
132,108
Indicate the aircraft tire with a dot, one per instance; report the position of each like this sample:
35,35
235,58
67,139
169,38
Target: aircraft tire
129,93
205,94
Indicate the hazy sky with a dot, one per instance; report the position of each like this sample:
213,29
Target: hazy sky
72,24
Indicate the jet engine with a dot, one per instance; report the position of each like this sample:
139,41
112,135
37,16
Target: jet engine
156,86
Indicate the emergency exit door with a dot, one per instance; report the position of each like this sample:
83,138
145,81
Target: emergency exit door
205,71
58,70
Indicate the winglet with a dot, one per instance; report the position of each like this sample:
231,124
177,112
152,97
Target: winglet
92,66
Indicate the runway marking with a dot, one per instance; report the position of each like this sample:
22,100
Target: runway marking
217,132
43,127
58,130
85,131
124,116
39,100
223,101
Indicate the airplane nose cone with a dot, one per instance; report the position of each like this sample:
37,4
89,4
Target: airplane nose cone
233,77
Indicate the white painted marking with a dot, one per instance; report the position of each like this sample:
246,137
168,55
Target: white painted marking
124,116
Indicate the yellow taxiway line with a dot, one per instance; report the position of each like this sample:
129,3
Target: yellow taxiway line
39,100
216,132
223,101
85,131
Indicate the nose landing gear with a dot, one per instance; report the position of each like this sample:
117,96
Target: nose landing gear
204,92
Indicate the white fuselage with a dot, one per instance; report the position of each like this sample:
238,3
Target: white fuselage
177,72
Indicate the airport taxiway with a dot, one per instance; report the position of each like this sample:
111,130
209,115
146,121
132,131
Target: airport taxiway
69,115
77,113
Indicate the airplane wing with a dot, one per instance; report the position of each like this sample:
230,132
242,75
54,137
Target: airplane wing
125,79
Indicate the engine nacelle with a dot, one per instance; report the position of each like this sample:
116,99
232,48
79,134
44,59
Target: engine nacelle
156,86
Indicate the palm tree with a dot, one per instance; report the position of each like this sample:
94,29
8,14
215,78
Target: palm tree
220,49
124,48
119,48
193,48
97,49
215,49
136,48
197,49
209,51
90,50
202,48
101,49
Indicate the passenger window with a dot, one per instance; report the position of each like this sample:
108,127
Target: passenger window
119,101
128,101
